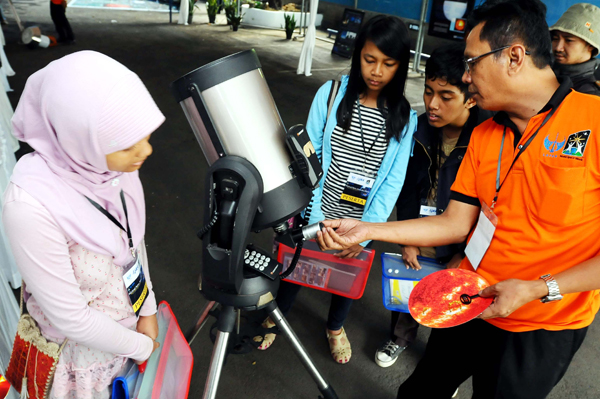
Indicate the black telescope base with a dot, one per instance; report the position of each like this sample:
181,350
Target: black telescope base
226,324
255,293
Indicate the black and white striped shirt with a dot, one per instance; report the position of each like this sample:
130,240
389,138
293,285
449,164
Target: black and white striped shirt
348,155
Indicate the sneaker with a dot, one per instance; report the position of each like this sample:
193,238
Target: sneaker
388,353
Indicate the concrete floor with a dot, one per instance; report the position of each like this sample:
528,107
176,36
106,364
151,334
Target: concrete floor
174,178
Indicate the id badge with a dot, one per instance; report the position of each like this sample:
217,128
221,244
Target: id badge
357,189
482,236
427,211
135,282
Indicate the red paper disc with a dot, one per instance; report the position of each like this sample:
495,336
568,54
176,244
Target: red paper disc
4,387
435,300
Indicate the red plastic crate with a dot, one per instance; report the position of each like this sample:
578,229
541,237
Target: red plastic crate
326,272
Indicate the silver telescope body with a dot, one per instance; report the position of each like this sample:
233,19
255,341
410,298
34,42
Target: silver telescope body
231,111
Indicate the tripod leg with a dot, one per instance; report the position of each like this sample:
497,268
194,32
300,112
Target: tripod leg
225,326
307,362
191,334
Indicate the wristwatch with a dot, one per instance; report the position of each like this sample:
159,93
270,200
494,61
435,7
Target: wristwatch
553,290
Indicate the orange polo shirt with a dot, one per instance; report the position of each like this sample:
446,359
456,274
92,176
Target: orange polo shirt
548,208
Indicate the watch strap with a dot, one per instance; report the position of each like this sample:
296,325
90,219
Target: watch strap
553,289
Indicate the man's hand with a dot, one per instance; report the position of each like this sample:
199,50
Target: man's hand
348,233
510,295
455,261
351,252
409,255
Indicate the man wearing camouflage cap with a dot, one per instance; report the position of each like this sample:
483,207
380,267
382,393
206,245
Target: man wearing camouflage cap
576,43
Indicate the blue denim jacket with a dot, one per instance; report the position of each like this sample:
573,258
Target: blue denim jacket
389,181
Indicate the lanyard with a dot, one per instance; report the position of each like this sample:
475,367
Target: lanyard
521,151
362,135
115,221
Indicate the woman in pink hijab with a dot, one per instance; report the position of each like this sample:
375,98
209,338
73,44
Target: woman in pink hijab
75,215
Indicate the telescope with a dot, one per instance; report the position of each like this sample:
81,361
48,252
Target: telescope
260,175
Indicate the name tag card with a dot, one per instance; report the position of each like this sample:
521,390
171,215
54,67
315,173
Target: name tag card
135,282
357,189
482,236
427,211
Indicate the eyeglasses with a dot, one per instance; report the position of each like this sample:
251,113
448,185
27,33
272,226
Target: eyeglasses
470,61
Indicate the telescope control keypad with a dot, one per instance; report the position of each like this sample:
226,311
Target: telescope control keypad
261,262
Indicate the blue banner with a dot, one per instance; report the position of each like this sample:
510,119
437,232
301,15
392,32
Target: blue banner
411,9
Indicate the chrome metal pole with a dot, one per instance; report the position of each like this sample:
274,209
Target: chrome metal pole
302,20
216,365
305,358
191,335
225,326
420,38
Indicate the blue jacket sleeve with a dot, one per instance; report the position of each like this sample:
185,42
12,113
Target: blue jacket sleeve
317,118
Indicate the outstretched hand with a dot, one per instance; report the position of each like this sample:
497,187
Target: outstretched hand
342,234
510,295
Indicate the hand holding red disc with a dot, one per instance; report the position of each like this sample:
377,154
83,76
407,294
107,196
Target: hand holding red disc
435,301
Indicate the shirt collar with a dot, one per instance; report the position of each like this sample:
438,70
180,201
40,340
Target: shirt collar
557,98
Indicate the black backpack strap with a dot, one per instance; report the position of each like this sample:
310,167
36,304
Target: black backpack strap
335,87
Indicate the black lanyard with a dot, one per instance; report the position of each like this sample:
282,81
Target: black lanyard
521,151
362,135
115,221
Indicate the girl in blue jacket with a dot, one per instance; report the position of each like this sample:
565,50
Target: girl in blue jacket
364,146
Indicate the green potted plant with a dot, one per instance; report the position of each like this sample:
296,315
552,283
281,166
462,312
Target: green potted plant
212,7
290,25
191,10
235,22
230,10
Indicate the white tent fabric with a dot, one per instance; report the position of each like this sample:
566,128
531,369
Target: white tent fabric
6,114
8,267
6,110
184,12
9,274
8,146
9,308
5,64
306,55
9,316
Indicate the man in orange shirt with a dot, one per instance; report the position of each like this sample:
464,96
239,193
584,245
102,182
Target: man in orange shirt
58,12
535,165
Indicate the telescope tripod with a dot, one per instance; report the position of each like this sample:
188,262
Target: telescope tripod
226,325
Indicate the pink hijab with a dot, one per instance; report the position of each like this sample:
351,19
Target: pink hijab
73,113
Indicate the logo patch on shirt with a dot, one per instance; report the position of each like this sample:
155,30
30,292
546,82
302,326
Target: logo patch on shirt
554,145
576,144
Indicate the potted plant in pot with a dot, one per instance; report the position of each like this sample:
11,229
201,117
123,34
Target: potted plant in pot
191,10
212,7
235,22
290,25
230,10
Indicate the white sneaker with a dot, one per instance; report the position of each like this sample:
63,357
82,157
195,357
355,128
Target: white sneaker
388,353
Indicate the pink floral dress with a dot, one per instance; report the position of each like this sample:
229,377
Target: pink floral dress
83,372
